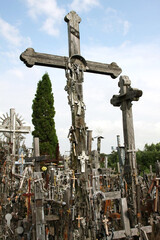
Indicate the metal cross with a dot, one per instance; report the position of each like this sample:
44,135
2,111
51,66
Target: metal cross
13,129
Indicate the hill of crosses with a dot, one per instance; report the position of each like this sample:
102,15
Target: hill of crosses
75,197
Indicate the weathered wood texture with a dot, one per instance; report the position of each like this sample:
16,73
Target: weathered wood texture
127,95
112,195
134,232
124,216
31,58
73,21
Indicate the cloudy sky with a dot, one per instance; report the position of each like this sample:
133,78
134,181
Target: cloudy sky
125,32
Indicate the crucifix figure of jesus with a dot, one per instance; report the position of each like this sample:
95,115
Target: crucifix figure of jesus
74,66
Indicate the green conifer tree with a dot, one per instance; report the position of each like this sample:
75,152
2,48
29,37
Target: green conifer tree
43,117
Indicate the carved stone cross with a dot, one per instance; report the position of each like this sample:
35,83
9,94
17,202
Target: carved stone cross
74,66
124,100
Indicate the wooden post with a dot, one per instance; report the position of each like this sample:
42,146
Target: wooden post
89,142
39,209
36,153
124,216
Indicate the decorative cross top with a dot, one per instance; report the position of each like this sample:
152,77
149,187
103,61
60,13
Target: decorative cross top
31,58
127,94
12,127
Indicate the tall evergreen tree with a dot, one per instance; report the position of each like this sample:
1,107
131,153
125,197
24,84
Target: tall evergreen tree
43,117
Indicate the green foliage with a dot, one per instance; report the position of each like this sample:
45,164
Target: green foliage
148,156
102,160
43,117
145,158
113,160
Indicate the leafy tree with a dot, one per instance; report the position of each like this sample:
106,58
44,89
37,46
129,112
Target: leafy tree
145,158
113,160
148,156
43,117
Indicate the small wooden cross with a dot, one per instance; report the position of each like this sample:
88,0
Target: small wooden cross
105,221
28,195
74,178
79,219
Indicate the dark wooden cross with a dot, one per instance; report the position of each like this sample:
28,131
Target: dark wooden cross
124,100
28,195
74,66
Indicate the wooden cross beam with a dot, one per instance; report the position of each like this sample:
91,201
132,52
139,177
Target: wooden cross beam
31,58
127,94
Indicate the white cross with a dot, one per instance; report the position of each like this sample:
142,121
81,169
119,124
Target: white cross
83,157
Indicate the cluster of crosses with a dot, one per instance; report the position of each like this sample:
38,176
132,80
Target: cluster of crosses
83,201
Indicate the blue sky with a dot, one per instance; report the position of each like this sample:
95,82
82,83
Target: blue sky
125,32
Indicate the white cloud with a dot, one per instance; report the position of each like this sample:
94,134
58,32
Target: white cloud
115,22
126,26
83,5
141,62
12,34
48,27
48,10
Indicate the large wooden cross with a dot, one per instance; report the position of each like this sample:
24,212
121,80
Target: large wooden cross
124,100
74,66
31,58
